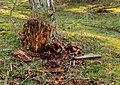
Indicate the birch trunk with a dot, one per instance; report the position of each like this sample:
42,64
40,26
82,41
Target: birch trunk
44,9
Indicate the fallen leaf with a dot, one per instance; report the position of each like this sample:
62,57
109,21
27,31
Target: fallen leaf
22,55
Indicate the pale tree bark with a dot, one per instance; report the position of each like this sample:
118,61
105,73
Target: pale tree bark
38,31
51,11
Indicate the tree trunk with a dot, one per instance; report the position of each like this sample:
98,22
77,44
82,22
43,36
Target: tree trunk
44,9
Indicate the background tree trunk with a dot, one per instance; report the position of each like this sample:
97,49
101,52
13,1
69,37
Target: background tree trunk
44,9
38,30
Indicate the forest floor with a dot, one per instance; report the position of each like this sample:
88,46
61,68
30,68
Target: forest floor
93,26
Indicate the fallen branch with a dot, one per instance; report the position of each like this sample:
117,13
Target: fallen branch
88,56
42,70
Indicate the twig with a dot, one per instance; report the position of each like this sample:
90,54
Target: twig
12,1
68,80
11,68
19,3
6,79
87,56
24,78
42,70
11,11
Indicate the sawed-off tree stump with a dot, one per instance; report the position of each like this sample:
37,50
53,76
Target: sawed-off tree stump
35,34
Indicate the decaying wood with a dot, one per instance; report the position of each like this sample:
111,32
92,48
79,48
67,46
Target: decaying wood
88,56
35,34
51,70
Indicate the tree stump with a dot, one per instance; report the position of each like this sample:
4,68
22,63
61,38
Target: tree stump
35,34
